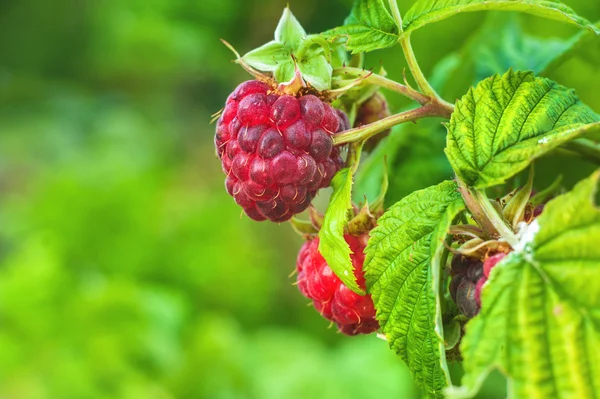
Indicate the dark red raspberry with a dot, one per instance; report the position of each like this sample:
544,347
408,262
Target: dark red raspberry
466,273
372,110
353,313
468,277
276,150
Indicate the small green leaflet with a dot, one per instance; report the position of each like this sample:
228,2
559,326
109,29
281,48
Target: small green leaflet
332,245
540,316
368,27
504,123
289,32
291,49
400,276
424,12
268,56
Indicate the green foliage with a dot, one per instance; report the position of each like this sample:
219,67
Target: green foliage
425,12
399,275
504,123
368,27
332,245
414,155
539,321
126,272
499,44
584,44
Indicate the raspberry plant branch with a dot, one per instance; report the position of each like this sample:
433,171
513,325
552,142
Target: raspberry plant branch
485,214
396,14
381,81
417,74
364,132
585,148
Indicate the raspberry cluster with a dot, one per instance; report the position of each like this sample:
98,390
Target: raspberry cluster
353,313
276,150
468,277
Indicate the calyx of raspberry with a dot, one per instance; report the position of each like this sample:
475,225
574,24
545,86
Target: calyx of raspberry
352,313
276,150
294,54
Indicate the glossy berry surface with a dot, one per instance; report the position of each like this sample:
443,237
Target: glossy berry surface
276,150
466,273
468,277
352,313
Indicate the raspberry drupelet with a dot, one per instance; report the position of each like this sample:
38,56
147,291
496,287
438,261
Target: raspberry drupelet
353,313
276,150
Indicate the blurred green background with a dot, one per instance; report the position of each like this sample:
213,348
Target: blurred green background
126,271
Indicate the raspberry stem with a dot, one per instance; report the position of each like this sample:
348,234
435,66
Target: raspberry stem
381,81
416,72
485,214
396,13
586,148
364,132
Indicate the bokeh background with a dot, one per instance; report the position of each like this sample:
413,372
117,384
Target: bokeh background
125,269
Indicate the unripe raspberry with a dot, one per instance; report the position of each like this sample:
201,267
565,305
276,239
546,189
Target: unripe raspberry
276,150
372,110
478,288
353,313
466,274
469,276
465,298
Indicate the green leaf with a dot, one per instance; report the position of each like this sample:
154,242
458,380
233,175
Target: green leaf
424,12
289,31
399,275
504,123
332,245
499,44
584,44
368,27
268,56
540,315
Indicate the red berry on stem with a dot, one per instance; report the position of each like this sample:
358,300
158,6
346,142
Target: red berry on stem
492,261
276,150
353,313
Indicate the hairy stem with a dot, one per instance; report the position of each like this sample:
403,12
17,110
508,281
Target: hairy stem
485,214
381,81
362,133
396,13
416,72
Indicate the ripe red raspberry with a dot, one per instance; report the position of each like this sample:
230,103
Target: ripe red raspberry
353,313
276,150
488,265
492,261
